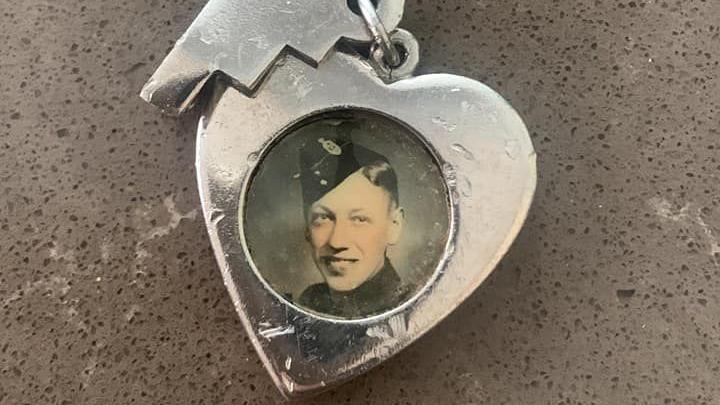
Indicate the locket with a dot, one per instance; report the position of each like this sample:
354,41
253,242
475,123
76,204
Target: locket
351,205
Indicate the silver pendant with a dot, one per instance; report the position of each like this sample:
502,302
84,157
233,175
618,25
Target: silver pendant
351,205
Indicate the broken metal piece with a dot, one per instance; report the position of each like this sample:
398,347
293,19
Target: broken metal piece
244,38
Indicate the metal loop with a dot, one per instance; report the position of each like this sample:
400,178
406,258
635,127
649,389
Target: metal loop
405,42
378,31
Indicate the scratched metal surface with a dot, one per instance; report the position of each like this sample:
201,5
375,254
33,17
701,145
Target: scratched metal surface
109,291
488,165
235,38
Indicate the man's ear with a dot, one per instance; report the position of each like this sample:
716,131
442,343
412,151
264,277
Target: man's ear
397,216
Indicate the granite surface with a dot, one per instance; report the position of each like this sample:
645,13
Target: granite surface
108,288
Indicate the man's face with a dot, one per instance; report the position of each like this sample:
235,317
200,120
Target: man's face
350,229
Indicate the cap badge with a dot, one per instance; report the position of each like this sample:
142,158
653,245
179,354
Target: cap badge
330,147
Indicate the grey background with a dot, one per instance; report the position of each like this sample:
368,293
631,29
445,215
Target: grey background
274,222
109,292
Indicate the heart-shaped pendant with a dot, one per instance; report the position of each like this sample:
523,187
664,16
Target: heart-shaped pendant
352,206
482,151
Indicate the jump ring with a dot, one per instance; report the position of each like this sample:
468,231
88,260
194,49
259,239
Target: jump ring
380,34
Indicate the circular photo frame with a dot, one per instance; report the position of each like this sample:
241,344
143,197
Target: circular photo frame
347,214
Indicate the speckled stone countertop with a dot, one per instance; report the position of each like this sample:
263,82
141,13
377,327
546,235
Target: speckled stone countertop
109,292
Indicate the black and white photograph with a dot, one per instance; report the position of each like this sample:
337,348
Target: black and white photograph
347,215
385,202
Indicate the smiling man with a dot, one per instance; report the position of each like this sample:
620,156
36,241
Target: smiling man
353,216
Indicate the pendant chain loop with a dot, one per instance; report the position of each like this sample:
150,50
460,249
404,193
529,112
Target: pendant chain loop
380,34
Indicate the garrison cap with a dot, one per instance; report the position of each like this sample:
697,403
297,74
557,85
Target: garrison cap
327,160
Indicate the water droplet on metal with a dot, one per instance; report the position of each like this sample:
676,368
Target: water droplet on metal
466,187
463,151
450,127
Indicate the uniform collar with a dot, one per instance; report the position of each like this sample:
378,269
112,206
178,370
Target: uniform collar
371,296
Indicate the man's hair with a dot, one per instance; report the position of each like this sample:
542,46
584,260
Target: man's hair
381,174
